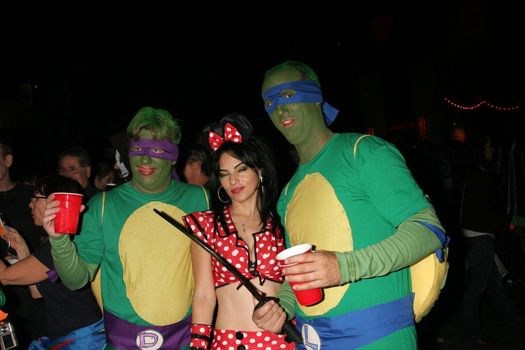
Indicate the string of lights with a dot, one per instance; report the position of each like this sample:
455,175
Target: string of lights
480,104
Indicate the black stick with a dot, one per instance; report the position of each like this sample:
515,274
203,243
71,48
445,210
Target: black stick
288,328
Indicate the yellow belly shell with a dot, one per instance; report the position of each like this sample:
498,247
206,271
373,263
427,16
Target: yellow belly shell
157,265
306,223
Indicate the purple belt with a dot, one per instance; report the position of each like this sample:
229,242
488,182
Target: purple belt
122,334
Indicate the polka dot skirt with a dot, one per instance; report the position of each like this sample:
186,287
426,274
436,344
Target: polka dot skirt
226,339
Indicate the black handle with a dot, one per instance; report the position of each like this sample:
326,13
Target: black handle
292,334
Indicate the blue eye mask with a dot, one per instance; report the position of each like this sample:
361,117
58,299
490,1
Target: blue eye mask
306,91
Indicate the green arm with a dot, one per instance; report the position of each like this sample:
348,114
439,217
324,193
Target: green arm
411,242
287,299
73,270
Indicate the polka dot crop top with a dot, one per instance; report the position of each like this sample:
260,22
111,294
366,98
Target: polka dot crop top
225,240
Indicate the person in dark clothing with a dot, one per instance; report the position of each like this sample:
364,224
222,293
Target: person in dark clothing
511,243
14,197
72,317
25,313
481,219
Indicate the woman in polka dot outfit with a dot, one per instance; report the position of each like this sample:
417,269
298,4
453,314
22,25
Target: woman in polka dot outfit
241,226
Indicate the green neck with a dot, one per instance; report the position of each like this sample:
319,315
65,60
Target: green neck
310,149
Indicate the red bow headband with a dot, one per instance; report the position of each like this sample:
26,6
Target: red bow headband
230,134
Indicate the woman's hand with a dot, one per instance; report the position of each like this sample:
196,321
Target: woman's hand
270,317
16,241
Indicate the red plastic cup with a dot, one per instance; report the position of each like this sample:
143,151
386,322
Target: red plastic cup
304,297
66,220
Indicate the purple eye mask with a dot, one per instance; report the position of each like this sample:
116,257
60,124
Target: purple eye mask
150,148
306,91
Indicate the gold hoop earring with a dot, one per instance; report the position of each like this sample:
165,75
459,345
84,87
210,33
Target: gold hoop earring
219,195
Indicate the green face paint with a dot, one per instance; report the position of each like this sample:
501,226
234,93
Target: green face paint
298,122
150,175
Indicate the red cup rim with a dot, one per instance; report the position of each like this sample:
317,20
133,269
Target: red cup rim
70,193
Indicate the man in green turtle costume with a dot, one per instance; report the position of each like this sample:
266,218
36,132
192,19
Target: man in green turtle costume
145,267
354,199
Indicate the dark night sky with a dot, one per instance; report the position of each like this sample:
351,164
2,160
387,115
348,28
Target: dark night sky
98,78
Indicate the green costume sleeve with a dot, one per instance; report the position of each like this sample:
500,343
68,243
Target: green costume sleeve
287,300
74,272
410,243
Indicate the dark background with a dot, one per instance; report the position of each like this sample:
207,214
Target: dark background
81,78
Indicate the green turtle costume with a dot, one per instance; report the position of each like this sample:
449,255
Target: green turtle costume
145,267
351,195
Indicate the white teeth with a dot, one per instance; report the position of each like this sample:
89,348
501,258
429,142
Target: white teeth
287,122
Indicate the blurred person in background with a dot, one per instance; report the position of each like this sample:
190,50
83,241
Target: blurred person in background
73,318
26,313
196,170
74,162
105,176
